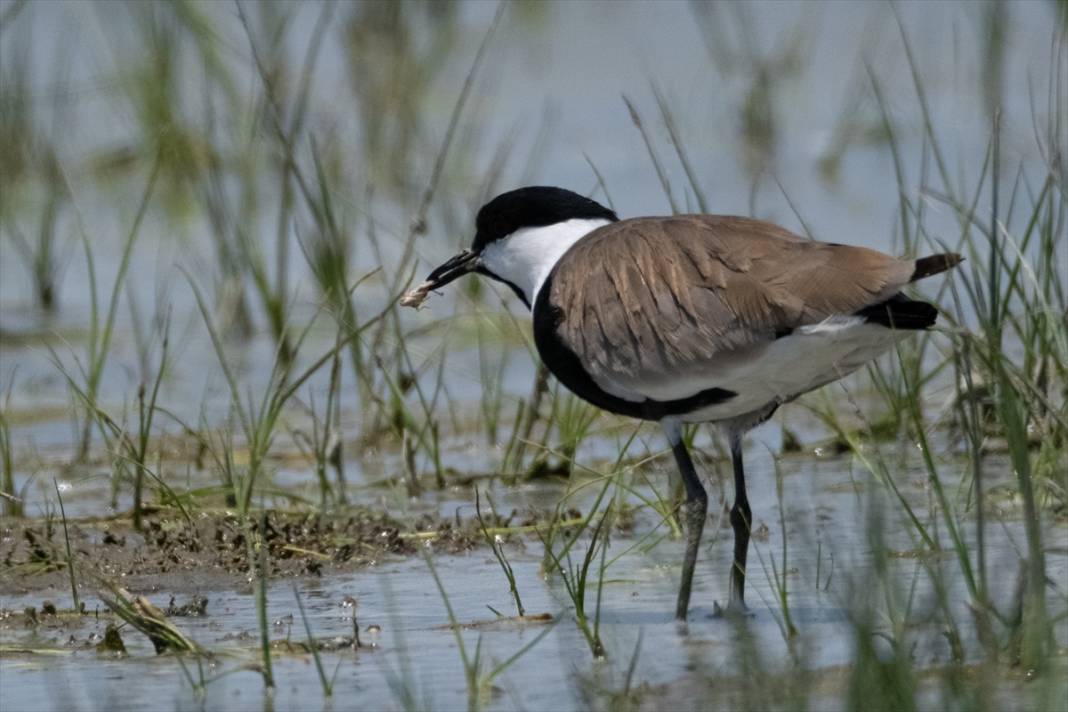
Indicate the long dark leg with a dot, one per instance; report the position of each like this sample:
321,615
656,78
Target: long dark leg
693,514
741,522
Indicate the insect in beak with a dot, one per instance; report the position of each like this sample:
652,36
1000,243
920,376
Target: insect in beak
456,266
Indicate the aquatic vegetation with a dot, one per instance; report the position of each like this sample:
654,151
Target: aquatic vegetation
497,546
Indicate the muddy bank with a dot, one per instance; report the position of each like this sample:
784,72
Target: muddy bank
212,549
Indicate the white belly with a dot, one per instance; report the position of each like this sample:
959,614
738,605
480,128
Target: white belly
772,373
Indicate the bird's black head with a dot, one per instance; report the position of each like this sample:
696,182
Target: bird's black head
533,206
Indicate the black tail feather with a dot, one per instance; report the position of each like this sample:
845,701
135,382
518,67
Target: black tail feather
926,266
900,312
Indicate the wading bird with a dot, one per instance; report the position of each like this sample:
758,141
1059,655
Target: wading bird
690,318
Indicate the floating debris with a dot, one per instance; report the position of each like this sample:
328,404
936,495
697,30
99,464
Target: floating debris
195,608
112,642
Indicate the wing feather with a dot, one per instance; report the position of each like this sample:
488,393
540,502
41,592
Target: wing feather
646,298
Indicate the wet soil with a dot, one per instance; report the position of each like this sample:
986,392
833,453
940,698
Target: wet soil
212,550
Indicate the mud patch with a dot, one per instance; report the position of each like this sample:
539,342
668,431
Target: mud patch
182,555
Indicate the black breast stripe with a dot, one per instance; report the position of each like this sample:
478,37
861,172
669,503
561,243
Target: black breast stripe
518,292
563,363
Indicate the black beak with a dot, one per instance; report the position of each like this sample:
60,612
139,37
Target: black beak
458,266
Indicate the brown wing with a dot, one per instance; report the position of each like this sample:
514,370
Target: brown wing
653,296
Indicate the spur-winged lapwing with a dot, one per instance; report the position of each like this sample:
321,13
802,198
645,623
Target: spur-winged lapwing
690,318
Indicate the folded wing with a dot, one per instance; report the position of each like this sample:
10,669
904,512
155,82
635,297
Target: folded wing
653,307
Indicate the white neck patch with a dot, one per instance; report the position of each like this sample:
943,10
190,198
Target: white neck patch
526,257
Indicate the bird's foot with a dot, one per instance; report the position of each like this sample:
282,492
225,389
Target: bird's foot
734,610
